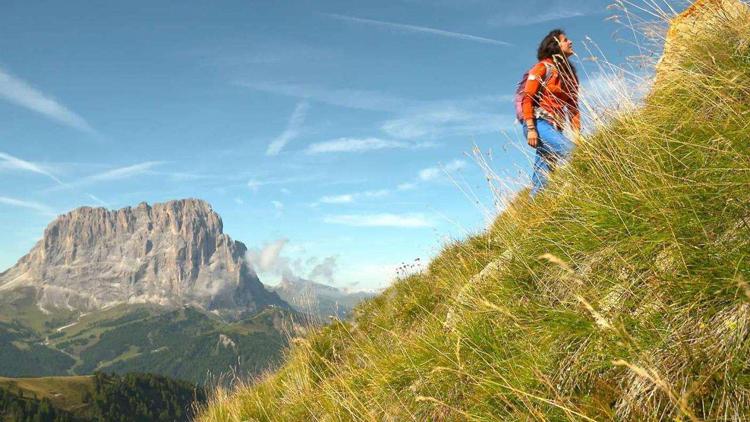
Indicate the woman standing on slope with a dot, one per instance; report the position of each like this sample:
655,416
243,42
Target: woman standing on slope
550,100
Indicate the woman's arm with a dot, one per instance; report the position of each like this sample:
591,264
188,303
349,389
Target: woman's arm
533,83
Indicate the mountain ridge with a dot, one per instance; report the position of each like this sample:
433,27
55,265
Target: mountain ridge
170,253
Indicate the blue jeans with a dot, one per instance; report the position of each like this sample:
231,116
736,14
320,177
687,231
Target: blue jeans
553,148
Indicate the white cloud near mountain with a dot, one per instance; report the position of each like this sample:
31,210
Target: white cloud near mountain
271,260
18,92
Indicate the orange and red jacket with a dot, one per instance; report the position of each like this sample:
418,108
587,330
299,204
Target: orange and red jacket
558,99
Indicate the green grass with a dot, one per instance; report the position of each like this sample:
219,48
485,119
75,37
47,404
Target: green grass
620,293
65,393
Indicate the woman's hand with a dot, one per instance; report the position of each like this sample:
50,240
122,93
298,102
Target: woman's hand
532,138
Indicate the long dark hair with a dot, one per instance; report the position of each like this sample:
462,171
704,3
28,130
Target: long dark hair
549,48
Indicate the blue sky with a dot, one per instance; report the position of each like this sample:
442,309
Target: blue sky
333,137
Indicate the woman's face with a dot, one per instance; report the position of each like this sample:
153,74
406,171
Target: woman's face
566,45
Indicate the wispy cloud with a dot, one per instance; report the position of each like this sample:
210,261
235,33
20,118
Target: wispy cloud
413,119
348,198
432,173
544,12
418,29
35,206
255,184
380,220
361,145
291,131
20,93
446,120
349,98
121,172
15,163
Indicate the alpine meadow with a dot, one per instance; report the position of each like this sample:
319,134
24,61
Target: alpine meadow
620,293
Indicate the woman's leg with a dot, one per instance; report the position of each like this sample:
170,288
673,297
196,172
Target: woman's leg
553,149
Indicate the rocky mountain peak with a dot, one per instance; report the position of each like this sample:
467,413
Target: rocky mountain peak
169,253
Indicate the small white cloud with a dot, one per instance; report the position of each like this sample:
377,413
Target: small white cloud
278,205
292,129
239,201
432,173
35,206
349,198
20,93
380,220
406,186
285,191
254,185
376,193
337,199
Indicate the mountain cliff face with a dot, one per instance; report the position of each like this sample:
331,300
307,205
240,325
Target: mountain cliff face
173,253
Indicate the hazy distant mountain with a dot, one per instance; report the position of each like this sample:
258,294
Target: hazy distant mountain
151,289
173,253
317,299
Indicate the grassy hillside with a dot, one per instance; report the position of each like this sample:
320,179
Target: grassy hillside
621,293
64,393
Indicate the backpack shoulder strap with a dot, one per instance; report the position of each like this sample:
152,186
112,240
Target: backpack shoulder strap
549,68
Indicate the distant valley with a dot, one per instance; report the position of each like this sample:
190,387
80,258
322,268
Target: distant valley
156,289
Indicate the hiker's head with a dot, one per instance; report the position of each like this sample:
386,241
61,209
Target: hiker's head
558,47
556,43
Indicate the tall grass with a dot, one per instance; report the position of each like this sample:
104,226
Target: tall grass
620,293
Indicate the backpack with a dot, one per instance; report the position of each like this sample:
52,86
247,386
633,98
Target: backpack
522,85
